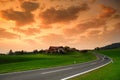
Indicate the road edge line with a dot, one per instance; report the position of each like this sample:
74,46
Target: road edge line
86,71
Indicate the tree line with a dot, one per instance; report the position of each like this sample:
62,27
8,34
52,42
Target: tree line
51,50
22,52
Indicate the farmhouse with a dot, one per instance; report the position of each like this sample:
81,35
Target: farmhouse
56,49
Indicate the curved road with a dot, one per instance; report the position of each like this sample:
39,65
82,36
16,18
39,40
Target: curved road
58,73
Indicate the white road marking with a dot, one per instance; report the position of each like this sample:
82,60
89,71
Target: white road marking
57,70
86,71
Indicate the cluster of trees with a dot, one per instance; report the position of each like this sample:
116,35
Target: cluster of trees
60,50
25,52
51,50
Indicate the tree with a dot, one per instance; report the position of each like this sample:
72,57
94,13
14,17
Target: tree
35,51
10,52
97,48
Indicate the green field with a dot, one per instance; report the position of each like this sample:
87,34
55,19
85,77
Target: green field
13,63
109,72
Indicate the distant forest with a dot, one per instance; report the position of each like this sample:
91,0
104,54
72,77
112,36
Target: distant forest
51,50
111,46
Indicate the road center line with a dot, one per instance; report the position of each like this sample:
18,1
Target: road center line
57,70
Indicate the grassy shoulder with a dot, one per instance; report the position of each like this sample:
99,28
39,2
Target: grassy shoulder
14,63
109,72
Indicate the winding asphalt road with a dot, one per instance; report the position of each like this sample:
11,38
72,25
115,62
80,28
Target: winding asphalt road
59,73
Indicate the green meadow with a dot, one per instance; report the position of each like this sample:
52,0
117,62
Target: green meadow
109,72
15,63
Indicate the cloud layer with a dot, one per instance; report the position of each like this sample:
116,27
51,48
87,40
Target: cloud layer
29,6
53,15
41,23
7,35
28,31
106,11
21,17
83,27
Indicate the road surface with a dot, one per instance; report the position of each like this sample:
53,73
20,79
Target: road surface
58,73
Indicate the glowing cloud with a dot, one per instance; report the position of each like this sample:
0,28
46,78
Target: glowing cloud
53,15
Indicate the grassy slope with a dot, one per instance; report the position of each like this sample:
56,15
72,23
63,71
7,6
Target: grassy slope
109,72
28,62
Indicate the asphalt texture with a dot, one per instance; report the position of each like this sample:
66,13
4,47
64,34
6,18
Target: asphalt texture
57,73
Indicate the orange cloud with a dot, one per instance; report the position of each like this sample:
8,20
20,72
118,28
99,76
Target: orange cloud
106,11
43,26
29,6
117,16
94,33
7,35
117,27
92,1
92,24
4,1
53,15
83,27
21,18
28,31
112,35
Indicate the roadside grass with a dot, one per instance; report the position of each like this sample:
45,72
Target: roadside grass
15,63
109,72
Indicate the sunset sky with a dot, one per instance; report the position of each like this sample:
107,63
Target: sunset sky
38,24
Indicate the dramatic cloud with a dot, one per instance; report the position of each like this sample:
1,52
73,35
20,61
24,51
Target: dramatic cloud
4,1
94,33
43,26
106,11
28,31
117,16
62,0
112,35
117,28
83,27
92,1
7,35
53,15
21,18
29,6
43,23
93,23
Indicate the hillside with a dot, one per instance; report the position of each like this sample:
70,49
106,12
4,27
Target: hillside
111,46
